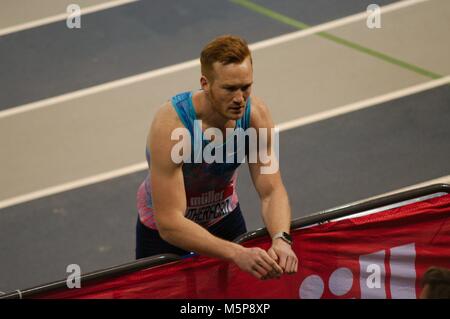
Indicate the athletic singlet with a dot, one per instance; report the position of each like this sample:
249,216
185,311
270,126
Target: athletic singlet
210,188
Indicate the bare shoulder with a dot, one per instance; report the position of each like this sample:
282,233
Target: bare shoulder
159,139
166,117
260,113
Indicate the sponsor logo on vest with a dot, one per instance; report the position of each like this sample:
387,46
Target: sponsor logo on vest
206,198
209,207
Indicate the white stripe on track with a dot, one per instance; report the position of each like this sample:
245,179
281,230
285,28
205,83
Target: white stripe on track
73,185
439,180
282,127
363,104
62,16
194,63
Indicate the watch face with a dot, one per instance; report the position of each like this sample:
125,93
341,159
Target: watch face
288,237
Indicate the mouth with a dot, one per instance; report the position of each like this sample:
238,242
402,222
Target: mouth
237,108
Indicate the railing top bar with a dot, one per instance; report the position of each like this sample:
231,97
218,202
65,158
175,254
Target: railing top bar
351,209
140,264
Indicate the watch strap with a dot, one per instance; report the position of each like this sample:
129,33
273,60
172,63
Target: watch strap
283,237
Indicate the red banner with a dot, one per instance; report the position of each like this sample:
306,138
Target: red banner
379,255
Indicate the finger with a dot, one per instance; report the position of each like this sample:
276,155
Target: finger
290,264
273,274
294,265
273,254
272,264
287,268
270,272
260,270
269,263
282,262
262,265
272,261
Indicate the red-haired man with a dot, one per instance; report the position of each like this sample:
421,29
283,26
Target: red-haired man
192,205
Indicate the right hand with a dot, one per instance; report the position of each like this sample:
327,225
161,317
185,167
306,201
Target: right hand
257,262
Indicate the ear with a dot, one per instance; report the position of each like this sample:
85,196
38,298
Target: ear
204,82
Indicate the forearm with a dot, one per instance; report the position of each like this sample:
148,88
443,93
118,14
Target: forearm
276,211
190,236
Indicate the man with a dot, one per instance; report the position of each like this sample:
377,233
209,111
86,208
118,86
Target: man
436,283
193,205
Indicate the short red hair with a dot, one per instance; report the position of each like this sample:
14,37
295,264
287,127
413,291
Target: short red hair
226,49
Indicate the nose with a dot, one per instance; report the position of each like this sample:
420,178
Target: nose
239,98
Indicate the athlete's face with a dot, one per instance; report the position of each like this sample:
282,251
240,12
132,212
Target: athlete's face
230,88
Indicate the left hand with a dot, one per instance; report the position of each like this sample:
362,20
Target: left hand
283,254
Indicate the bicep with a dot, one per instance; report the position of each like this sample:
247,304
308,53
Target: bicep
168,194
166,178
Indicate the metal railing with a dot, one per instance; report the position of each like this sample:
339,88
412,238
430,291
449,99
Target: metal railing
158,260
96,276
350,209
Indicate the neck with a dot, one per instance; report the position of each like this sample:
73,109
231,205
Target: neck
206,112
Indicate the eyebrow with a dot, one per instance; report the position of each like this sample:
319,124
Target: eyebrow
231,86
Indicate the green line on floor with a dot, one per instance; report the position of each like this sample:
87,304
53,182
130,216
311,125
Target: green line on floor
302,26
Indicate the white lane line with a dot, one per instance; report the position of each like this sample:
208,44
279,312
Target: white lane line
439,180
99,88
63,16
333,24
73,185
363,104
282,127
194,63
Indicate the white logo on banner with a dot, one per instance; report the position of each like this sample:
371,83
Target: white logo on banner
74,279
311,287
372,277
341,281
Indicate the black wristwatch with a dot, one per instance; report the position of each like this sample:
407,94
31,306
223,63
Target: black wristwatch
284,236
